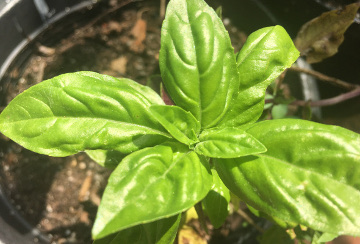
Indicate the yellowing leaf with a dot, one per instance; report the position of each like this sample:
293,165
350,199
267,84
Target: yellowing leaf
188,235
191,214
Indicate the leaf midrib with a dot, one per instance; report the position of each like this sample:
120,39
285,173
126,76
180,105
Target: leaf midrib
196,61
86,118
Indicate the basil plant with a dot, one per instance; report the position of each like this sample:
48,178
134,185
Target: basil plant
167,158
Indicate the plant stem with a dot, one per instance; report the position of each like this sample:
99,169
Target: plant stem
279,82
354,89
201,216
323,77
162,8
329,101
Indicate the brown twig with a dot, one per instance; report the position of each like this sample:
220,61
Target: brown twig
325,102
249,220
107,12
323,77
279,81
329,101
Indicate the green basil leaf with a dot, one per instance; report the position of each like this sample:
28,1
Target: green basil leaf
162,231
310,175
216,203
279,222
265,55
106,158
151,184
228,142
83,111
181,124
319,237
197,61
275,234
279,111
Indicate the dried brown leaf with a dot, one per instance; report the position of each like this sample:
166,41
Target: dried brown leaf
320,37
139,33
46,51
85,187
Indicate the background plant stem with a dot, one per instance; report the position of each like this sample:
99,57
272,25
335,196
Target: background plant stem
323,77
329,101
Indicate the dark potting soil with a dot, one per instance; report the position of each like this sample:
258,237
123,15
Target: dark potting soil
60,196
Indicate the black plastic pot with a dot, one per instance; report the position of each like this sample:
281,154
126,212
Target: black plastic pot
21,21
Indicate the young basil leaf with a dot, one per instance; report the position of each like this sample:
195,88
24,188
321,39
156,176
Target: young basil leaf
83,111
197,61
162,231
310,175
106,158
228,142
279,111
181,124
265,55
166,179
216,202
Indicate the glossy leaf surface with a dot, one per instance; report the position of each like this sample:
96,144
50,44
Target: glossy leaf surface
181,124
228,142
197,61
162,231
310,175
151,184
265,55
83,111
216,203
